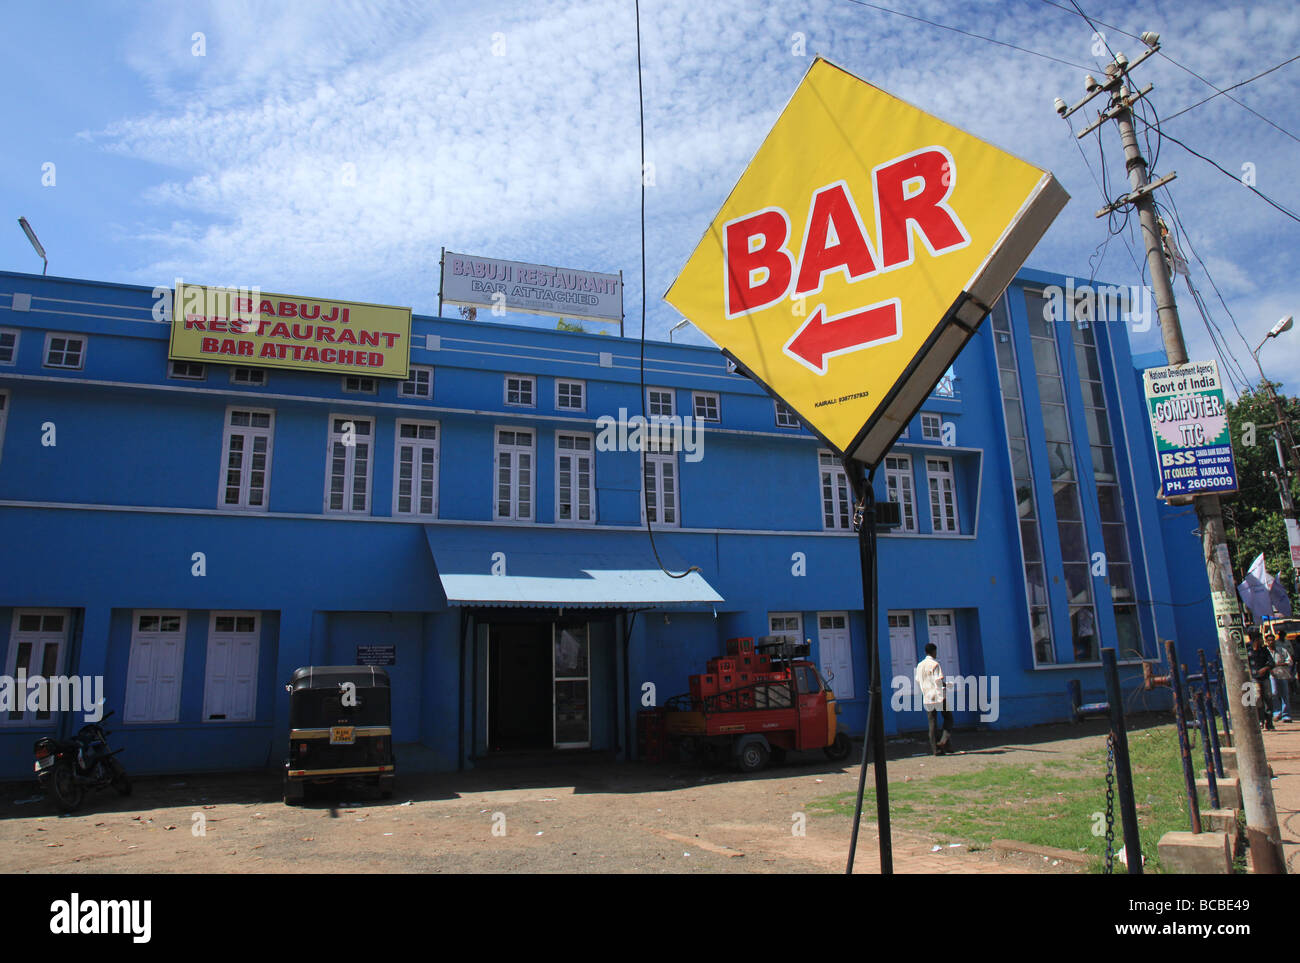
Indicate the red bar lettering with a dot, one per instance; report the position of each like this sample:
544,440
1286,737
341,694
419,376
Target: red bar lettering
744,260
900,206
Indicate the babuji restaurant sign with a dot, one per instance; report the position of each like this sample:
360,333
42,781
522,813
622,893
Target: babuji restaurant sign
246,326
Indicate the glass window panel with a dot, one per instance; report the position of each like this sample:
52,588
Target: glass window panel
1108,502
1129,632
1056,427
1029,540
1098,429
1015,427
1077,582
1045,358
1121,582
1073,546
1060,461
1036,583
1115,539
1020,468
1103,463
1083,628
1040,630
1049,389
1025,501
1067,502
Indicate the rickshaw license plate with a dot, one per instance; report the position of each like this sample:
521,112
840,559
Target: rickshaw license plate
342,735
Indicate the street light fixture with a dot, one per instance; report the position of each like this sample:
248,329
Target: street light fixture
680,324
31,236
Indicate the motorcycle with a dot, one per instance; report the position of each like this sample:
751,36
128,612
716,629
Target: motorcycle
67,769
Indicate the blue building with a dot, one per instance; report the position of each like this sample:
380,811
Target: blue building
189,534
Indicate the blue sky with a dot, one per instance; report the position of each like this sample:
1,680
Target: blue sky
233,167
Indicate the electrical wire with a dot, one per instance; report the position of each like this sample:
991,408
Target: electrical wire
1227,173
967,33
1224,92
1210,277
1220,93
645,490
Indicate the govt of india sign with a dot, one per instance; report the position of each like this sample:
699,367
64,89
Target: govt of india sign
1189,422
246,326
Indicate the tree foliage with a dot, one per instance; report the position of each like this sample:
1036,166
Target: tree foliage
1253,516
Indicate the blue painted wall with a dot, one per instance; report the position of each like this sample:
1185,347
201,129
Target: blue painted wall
107,520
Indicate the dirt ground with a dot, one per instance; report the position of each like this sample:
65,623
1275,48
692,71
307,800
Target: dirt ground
614,818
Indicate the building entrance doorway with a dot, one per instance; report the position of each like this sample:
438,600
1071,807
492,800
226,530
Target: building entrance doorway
538,686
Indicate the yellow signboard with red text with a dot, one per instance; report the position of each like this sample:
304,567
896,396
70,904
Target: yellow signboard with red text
858,252
247,326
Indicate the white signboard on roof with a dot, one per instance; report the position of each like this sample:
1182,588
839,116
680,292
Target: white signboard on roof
486,282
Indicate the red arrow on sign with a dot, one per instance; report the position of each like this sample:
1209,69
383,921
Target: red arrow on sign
822,337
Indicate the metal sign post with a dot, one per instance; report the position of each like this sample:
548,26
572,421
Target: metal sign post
852,326
873,743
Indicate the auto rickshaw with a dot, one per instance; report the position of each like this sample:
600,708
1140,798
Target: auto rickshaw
340,729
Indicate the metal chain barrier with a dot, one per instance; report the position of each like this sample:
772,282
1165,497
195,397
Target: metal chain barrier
1110,803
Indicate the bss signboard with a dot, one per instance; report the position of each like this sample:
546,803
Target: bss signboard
859,251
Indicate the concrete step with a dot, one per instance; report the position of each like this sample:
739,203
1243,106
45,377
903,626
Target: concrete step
1229,757
1199,853
1220,821
1229,792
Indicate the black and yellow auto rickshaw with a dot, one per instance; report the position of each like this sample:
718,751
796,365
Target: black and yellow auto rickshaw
340,729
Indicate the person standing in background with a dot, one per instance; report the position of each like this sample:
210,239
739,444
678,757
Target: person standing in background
934,693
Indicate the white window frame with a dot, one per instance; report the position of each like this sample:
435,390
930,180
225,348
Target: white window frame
938,426
659,459
18,337
574,490
793,417
895,478
245,471
650,404
582,386
85,348
697,396
797,616
207,668
402,387
418,445
360,389
349,465
949,474
837,472
11,663
140,637
531,380
258,373
201,376
515,449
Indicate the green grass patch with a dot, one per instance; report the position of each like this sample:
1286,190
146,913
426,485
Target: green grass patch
1049,803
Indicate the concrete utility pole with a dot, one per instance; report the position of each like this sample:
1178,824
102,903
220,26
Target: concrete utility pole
1256,789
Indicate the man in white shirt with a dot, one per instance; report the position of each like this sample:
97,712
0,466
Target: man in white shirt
933,688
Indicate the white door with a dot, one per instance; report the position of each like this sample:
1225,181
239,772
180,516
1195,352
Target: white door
153,675
230,690
36,643
833,646
943,633
902,652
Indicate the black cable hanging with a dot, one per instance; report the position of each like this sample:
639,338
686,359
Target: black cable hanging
645,492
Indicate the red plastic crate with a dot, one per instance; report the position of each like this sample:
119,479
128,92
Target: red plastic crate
742,646
722,665
703,685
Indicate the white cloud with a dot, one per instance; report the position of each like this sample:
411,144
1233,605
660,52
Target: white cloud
535,154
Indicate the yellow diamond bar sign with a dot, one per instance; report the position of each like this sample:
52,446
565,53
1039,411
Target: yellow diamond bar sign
858,253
